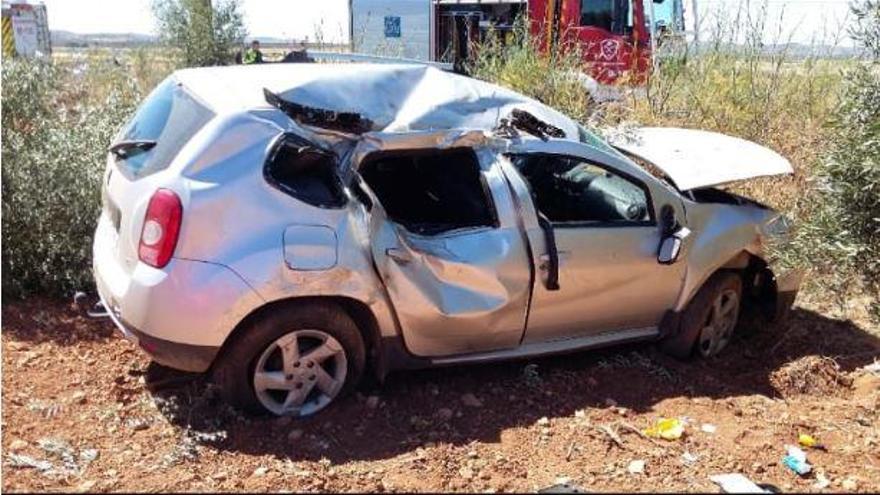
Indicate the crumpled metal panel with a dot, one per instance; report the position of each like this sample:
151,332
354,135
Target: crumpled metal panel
462,291
395,97
720,232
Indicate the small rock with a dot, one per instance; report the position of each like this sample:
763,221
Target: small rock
294,435
689,458
472,454
580,413
137,424
822,482
372,402
850,485
111,473
562,480
708,428
466,473
261,471
79,397
636,467
470,400
444,413
86,486
543,421
17,444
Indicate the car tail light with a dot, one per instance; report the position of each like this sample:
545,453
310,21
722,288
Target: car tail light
161,227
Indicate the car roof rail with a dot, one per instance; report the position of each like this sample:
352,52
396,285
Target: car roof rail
376,59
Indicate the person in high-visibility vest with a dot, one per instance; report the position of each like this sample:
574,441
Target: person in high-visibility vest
253,55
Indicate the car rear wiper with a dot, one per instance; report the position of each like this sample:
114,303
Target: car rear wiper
121,148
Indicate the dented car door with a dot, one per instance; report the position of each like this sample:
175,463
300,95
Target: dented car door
459,281
603,219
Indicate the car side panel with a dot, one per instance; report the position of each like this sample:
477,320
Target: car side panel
609,277
462,291
235,218
719,232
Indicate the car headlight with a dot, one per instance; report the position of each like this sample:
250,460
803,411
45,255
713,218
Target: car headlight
778,227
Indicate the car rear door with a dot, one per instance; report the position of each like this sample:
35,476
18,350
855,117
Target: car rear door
606,236
456,288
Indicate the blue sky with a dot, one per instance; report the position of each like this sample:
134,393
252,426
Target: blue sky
805,20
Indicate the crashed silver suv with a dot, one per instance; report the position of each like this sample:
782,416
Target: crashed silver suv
289,227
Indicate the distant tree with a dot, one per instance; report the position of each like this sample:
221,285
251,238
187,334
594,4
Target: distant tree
204,34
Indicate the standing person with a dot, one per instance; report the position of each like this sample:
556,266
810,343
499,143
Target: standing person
298,54
253,55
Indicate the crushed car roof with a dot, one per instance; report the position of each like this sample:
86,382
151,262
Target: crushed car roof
394,98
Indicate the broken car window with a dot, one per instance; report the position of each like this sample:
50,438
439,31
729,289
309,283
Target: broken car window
570,190
306,173
430,192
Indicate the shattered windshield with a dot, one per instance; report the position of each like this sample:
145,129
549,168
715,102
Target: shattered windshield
589,138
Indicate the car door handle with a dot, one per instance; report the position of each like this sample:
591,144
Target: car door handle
545,259
398,255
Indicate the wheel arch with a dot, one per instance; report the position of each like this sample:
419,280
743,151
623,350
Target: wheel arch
759,282
359,312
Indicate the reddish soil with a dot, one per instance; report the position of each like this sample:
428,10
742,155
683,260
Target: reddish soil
85,410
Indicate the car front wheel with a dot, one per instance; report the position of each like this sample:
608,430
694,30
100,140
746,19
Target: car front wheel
709,320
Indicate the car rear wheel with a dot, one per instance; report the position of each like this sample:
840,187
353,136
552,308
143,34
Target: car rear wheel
293,361
709,320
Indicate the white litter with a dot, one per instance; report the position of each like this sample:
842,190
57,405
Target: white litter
636,467
736,483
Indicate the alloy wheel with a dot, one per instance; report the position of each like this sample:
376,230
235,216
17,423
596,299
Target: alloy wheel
300,373
720,321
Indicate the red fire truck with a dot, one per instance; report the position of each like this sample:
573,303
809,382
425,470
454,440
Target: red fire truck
615,37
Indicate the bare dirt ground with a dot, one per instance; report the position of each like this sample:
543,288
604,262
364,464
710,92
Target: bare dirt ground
85,410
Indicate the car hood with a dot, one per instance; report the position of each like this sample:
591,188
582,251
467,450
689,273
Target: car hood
695,159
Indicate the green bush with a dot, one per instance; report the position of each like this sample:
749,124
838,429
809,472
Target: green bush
57,124
519,65
850,176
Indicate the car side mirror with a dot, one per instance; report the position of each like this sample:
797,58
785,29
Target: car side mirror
670,248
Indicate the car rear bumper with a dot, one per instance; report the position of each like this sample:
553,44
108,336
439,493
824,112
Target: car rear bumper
175,355
181,314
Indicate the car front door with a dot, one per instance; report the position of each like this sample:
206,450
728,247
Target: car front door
601,211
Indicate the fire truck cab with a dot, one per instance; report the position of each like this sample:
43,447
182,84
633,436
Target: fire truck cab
615,37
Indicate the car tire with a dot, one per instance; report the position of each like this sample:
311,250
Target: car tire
709,320
262,371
